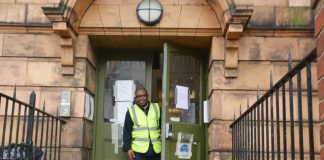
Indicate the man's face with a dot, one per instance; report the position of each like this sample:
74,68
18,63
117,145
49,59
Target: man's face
141,97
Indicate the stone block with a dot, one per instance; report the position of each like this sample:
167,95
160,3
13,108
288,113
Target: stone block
319,22
252,48
230,73
67,57
44,73
299,3
217,49
51,98
234,31
18,45
169,2
305,46
263,16
47,46
271,3
14,71
110,16
82,45
91,79
79,77
16,13
77,109
293,16
320,67
88,134
131,2
75,127
35,14
215,105
91,18
1,44
189,16
279,48
129,20
208,18
193,2
246,76
3,11
220,136
110,2
231,58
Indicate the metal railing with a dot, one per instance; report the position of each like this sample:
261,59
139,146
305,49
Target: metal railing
261,131
27,132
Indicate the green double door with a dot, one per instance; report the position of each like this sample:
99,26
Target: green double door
160,73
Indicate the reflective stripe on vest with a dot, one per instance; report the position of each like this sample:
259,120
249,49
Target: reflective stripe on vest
145,128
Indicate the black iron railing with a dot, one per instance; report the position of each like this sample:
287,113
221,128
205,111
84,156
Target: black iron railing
27,132
261,131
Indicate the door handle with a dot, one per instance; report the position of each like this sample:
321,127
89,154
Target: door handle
168,129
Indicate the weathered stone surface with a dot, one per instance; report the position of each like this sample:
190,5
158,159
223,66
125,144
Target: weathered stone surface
88,134
252,48
13,71
91,18
75,127
271,3
110,2
294,16
189,16
231,58
208,18
234,31
47,46
250,74
171,16
193,2
305,46
16,13
127,19
321,111
91,79
299,3
3,11
45,73
78,97
110,15
52,99
278,48
263,16
18,45
320,42
79,77
220,136
217,49
35,14
215,105
1,44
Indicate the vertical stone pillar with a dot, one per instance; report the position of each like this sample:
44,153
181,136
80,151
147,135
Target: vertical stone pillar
319,34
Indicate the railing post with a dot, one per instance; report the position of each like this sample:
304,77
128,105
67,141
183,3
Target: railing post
30,126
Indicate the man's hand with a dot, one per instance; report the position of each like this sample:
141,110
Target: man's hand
131,155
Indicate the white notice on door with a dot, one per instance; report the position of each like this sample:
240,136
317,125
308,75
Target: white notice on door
182,97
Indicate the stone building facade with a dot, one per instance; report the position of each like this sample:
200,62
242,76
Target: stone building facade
53,45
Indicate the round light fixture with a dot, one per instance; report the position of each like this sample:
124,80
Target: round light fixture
149,11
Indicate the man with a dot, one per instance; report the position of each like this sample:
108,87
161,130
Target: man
142,128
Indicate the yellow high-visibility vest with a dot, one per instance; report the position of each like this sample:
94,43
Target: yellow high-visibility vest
146,128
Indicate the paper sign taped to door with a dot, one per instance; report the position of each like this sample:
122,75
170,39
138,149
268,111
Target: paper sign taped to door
184,145
182,97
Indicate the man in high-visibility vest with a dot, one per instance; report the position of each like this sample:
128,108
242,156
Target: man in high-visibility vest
142,128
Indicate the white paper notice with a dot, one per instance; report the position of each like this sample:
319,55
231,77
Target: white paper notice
124,90
121,109
182,97
206,115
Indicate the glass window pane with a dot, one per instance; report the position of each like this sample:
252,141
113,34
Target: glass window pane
121,70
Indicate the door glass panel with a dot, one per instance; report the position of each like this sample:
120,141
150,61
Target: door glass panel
184,71
121,70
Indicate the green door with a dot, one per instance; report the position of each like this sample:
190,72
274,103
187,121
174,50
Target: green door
185,68
108,129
